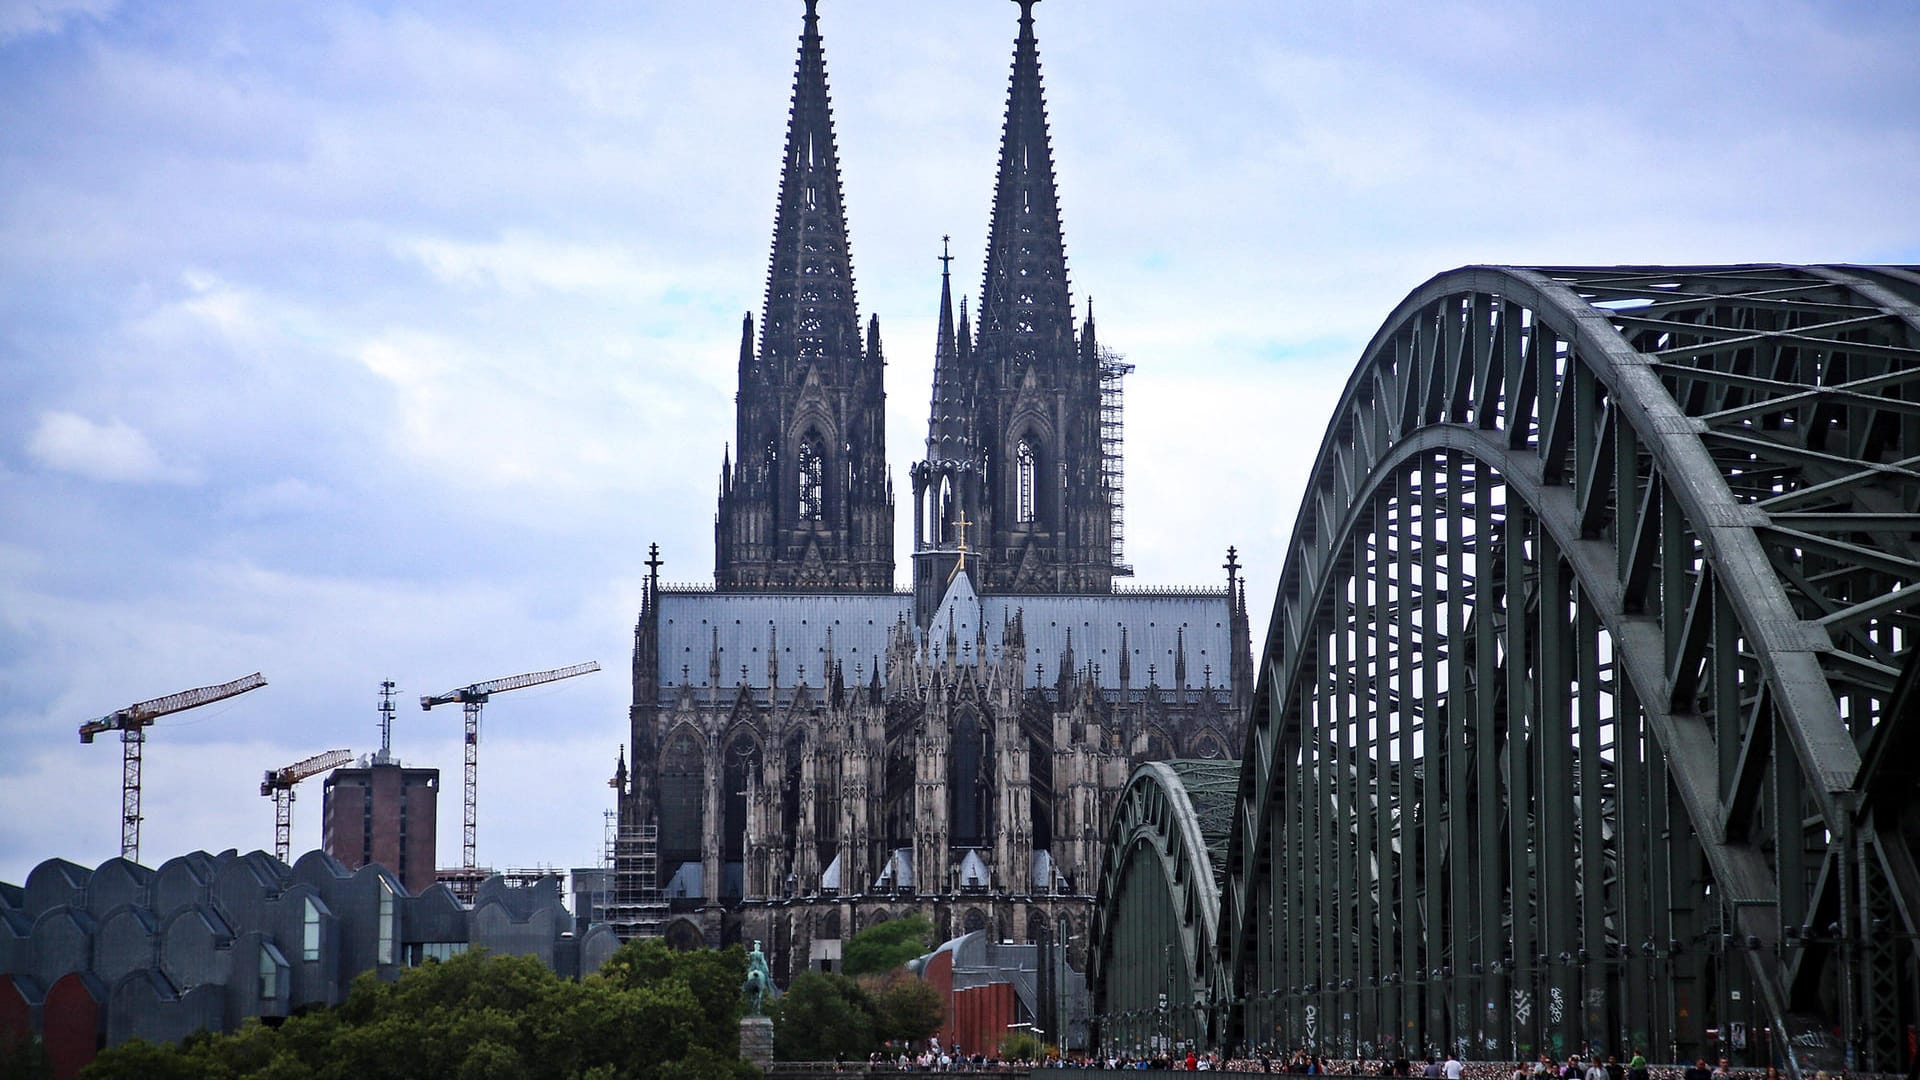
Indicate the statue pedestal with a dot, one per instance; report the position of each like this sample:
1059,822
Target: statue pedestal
756,1041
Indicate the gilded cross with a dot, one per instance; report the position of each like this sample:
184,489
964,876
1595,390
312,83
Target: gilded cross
960,526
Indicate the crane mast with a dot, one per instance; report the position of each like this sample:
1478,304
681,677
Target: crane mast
132,723
279,784
472,698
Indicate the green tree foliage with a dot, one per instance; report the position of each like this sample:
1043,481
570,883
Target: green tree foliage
905,1006
653,1014
885,946
823,1017
23,1058
138,1060
1022,1046
713,978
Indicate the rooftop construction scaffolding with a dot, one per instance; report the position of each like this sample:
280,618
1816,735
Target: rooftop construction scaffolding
1113,367
634,907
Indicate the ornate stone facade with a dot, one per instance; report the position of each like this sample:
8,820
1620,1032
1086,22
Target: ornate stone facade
820,752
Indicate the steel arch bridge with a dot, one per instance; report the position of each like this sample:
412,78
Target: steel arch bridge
1153,959
1587,716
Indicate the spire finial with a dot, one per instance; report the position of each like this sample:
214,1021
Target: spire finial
946,255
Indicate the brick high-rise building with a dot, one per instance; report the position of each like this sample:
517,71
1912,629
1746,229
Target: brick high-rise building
385,813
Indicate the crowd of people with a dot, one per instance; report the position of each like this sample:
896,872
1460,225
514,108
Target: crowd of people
1544,1067
1302,1062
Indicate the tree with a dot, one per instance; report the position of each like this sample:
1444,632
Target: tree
713,978
137,1059
905,1006
23,1058
482,1016
885,946
1022,1046
823,1017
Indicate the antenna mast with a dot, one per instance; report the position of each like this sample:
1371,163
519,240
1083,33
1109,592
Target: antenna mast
386,724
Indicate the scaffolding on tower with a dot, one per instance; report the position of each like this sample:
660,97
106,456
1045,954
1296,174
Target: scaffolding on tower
632,904
1114,367
635,908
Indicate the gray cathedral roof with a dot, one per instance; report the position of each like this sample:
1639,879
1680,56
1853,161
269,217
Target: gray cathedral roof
744,627
1167,635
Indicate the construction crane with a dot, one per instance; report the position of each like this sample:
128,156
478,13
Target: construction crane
473,697
279,784
132,722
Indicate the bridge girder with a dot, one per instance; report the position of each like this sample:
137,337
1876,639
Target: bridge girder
1598,596
1153,962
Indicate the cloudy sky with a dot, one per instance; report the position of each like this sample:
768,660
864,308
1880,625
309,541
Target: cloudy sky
358,341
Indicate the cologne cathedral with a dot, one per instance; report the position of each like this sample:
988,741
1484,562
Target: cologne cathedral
815,751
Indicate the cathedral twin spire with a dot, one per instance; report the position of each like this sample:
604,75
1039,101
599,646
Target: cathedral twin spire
1013,441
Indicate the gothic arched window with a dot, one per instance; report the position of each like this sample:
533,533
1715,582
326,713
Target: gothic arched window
683,780
943,511
740,772
1024,467
968,800
812,474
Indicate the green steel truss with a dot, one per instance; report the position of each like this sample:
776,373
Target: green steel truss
1587,716
1154,967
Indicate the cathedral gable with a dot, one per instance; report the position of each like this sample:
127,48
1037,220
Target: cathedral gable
1027,576
813,565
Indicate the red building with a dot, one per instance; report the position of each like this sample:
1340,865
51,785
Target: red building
992,990
384,813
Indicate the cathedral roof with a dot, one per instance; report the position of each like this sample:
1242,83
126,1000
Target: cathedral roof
957,619
1159,629
973,871
1169,631
898,873
744,626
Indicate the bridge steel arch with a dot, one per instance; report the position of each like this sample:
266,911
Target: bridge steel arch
1153,960
1587,715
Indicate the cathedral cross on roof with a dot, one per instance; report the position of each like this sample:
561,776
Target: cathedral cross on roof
960,526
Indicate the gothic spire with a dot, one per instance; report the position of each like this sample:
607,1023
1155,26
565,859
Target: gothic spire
947,426
809,505
810,302
1025,310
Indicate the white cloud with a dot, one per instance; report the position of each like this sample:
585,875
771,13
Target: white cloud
520,262
113,451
